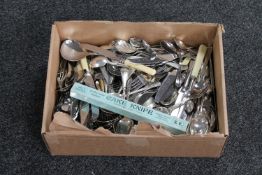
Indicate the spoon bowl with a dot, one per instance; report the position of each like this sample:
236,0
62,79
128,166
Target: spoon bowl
168,46
199,124
135,42
181,44
124,47
200,86
71,50
99,61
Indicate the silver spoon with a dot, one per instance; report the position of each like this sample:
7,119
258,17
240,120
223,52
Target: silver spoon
72,50
150,103
125,75
143,98
148,48
209,107
189,106
124,126
199,124
100,62
179,79
200,86
135,42
124,47
170,47
183,46
74,108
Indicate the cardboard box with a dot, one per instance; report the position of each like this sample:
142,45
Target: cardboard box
145,142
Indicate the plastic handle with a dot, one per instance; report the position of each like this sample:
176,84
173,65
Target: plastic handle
78,67
84,64
140,67
185,62
199,59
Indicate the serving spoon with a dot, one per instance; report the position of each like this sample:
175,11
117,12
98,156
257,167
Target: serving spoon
73,50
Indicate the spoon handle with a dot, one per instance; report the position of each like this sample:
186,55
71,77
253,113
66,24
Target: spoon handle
99,50
140,67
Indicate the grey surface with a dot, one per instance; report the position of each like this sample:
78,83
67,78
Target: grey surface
25,32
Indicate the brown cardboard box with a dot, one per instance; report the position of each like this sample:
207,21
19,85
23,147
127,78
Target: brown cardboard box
145,142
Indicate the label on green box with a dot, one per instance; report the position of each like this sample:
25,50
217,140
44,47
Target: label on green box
127,108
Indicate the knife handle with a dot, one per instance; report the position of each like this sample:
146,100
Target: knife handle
199,60
166,89
140,67
84,64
